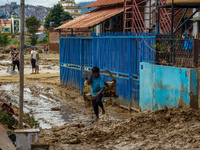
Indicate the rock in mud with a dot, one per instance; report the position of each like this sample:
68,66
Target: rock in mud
75,141
74,124
55,108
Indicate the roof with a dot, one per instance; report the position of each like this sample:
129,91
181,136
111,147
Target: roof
92,18
104,3
41,28
5,21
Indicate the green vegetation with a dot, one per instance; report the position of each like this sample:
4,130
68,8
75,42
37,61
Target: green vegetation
33,41
31,121
4,40
43,41
15,42
47,37
7,119
13,36
163,50
57,15
32,24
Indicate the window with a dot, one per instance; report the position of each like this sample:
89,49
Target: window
4,24
76,11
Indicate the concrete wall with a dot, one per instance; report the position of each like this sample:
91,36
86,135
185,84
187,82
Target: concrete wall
167,86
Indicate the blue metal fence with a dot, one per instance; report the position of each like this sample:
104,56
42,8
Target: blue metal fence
119,54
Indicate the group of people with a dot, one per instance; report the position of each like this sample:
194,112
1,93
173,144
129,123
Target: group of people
34,59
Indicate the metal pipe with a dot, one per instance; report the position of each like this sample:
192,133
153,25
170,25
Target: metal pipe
185,11
172,27
186,20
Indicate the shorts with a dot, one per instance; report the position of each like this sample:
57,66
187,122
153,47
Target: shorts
16,63
37,63
33,61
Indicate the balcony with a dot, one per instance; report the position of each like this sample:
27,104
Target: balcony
6,31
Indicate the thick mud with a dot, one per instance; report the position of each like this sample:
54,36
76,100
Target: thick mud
168,128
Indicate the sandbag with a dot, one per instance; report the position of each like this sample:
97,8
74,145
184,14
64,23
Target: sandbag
184,1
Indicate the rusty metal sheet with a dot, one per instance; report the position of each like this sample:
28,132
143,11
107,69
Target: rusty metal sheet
92,18
5,142
107,2
104,3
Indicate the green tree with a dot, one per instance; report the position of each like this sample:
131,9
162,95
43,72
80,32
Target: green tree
4,40
47,37
47,21
32,24
33,41
57,15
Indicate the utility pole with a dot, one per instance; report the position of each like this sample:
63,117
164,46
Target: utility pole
21,97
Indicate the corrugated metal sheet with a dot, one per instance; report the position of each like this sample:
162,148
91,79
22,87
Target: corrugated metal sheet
92,18
104,3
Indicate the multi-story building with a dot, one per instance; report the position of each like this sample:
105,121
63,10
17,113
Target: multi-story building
15,24
69,6
5,25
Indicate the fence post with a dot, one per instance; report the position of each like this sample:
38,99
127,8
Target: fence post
195,52
60,51
129,71
93,52
81,59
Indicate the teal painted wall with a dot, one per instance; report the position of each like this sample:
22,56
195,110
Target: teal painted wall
162,86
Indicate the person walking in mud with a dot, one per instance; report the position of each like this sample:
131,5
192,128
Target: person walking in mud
97,91
15,59
37,61
33,59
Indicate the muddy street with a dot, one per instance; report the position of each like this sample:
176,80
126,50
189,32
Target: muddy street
69,125
66,124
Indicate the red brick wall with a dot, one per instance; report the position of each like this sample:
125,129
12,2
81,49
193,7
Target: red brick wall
54,37
53,40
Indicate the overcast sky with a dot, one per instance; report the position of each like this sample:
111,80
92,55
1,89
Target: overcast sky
47,3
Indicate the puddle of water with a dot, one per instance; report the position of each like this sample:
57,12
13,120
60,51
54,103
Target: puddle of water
40,105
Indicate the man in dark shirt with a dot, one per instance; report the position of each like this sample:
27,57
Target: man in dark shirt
15,59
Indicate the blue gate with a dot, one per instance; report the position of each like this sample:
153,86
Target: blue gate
121,55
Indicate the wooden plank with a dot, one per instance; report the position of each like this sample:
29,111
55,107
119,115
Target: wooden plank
5,142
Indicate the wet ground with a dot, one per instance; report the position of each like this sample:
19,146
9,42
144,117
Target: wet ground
51,109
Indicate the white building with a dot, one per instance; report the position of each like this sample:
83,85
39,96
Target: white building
69,6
